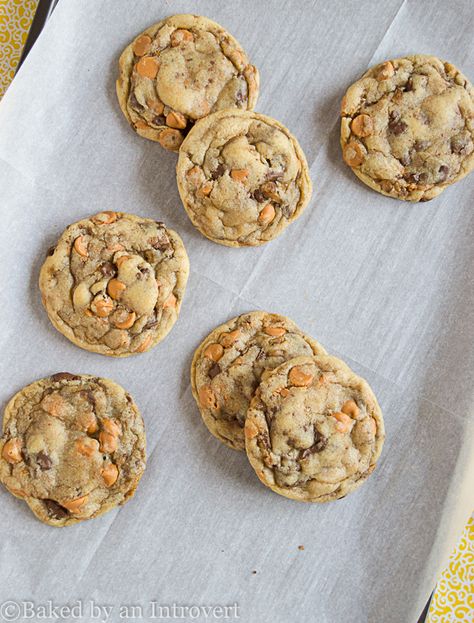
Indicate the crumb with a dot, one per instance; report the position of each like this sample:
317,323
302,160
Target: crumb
301,547
254,572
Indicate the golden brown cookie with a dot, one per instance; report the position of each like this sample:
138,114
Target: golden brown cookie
114,283
407,127
229,363
242,177
180,70
73,447
314,429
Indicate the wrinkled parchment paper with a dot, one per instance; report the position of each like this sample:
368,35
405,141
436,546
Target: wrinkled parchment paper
385,284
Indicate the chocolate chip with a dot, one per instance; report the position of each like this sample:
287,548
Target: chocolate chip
64,376
159,120
320,442
160,243
421,145
395,124
409,85
89,396
214,371
258,195
44,461
443,172
51,250
458,144
134,103
417,178
273,175
107,269
55,509
220,170
261,355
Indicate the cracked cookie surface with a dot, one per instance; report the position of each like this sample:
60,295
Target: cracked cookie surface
314,429
180,70
73,447
228,365
114,283
242,178
407,127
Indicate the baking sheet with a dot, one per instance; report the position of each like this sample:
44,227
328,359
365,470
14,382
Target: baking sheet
386,285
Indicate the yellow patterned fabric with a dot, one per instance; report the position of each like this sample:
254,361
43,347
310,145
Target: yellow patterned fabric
15,20
453,600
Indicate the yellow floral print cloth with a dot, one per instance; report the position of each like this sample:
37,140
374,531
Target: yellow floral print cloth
15,20
453,600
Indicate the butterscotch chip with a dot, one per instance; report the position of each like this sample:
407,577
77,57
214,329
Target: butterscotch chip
257,174
306,448
61,472
214,73
126,293
229,363
407,127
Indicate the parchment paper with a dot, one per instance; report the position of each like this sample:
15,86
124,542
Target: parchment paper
385,284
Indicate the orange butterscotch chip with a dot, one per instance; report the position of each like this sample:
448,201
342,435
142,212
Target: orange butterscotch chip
284,392
148,67
108,442
120,260
12,451
275,331
80,246
373,426
86,446
267,215
205,189
385,72
170,139
176,120
353,154
112,427
362,126
87,422
142,45
54,404
350,408
250,430
344,422
110,474
227,339
74,505
299,377
156,106
239,175
170,301
103,307
214,352
127,322
207,398
105,218
145,345
181,35
115,288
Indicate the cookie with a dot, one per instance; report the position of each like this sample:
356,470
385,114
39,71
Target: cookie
73,447
314,430
114,283
407,127
178,71
242,178
228,365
